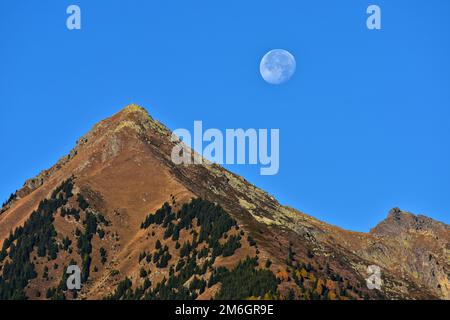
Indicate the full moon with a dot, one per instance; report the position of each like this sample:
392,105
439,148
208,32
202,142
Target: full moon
277,66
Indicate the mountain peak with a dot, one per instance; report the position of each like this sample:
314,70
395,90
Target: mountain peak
394,212
134,117
134,109
131,116
398,222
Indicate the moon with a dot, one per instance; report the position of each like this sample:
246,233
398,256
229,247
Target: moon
277,66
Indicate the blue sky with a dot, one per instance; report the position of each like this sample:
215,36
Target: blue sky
364,123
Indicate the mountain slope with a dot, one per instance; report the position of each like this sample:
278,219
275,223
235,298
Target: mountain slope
101,195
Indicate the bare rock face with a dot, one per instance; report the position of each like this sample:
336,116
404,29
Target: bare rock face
419,246
399,222
121,171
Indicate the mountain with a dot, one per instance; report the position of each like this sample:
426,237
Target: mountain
141,227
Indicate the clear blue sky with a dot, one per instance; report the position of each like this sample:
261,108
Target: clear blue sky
364,123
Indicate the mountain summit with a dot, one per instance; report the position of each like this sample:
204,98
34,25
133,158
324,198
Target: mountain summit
141,227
